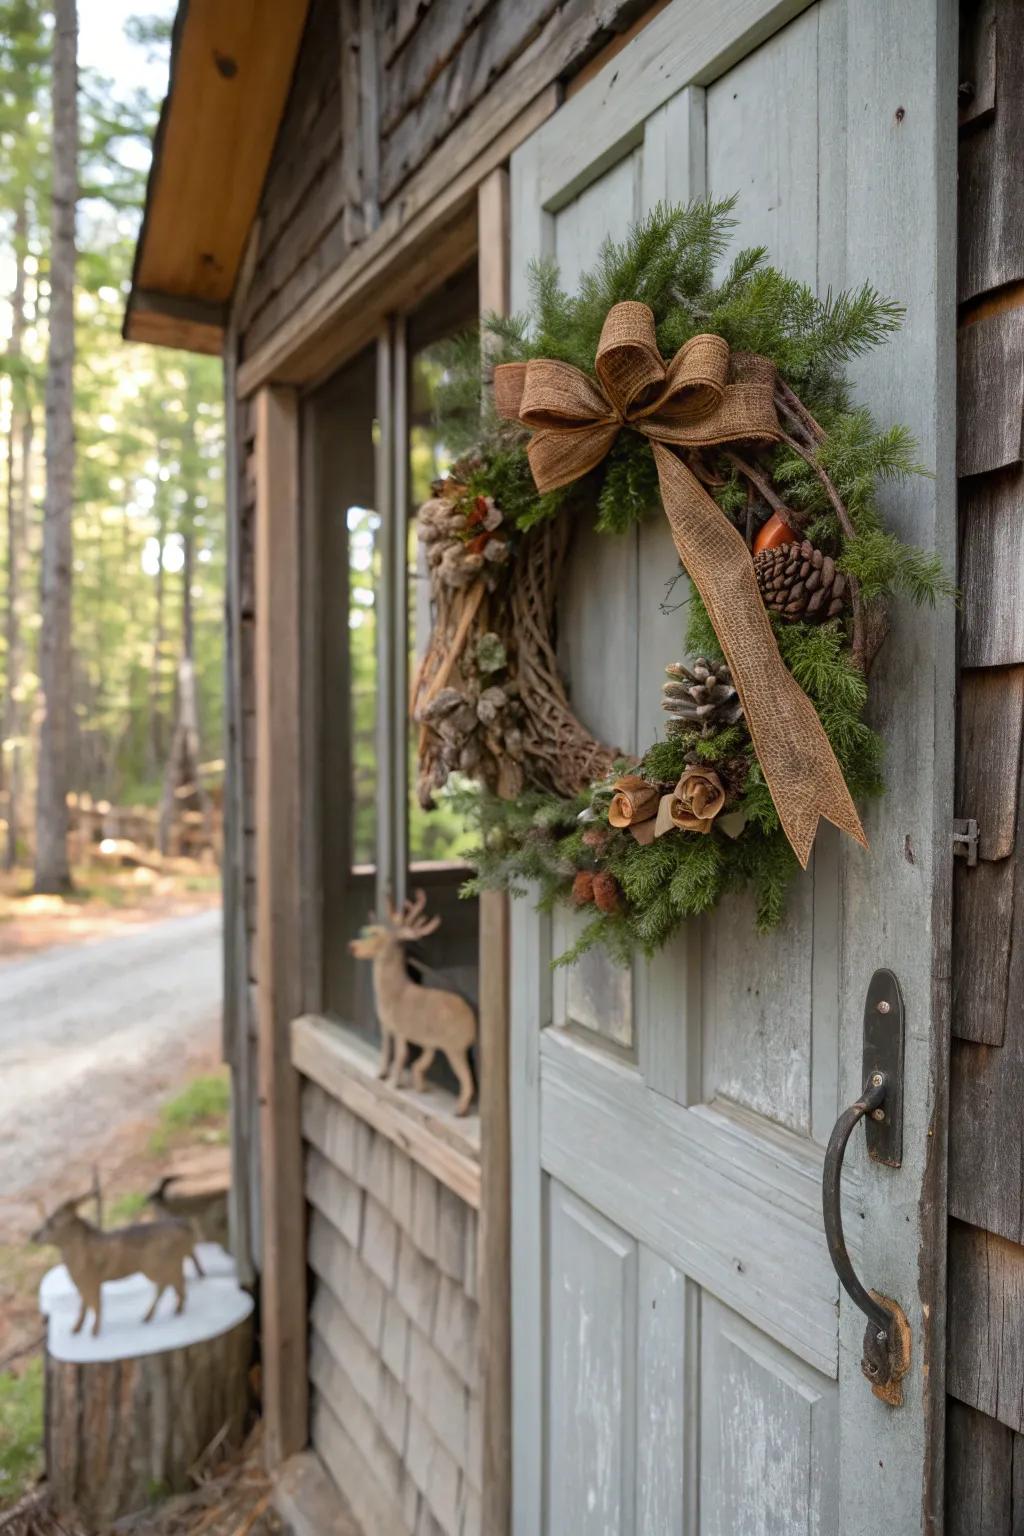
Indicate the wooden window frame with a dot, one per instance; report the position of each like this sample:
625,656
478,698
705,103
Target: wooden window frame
289,901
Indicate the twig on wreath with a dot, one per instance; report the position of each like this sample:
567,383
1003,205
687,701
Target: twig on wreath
760,484
794,406
749,530
863,648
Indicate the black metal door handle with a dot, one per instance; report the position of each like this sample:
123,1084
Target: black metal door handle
886,1338
876,1364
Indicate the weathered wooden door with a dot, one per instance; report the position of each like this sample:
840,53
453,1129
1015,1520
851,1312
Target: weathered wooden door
683,1361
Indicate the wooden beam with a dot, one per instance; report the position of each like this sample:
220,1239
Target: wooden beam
168,331
420,241
493,243
495,1246
279,780
216,133
495,1235
145,301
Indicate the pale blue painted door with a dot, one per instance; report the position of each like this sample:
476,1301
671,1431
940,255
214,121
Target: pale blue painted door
681,1362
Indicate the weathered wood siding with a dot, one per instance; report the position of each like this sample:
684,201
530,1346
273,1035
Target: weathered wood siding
299,231
438,59
377,90
985,1371
396,1403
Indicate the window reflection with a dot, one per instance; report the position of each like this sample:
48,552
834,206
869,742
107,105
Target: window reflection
438,835
363,588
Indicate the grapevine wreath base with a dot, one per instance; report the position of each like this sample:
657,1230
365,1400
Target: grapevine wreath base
652,392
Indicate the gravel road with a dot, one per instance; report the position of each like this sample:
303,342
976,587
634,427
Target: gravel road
93,1035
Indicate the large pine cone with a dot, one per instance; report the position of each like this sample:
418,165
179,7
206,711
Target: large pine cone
797,581
701,696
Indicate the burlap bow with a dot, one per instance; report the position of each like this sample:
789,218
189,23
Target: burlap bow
704,397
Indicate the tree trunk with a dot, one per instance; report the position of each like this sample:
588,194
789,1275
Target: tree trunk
19,438
121,1433
182,771
52,872
156,722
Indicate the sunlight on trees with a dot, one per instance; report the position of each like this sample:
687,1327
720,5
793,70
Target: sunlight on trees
148,535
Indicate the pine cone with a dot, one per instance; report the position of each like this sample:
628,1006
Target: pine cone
607,893
701,696
797,581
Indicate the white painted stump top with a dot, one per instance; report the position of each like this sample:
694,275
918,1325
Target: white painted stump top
213,1305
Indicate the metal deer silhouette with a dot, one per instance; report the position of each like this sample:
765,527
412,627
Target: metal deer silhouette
409,1014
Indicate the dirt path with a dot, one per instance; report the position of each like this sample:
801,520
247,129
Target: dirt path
91,1037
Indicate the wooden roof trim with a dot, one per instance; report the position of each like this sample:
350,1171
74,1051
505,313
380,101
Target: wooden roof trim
232,63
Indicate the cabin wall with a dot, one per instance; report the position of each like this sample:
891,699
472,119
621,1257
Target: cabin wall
407,1369
396,1409
376,91
985,1365
299,234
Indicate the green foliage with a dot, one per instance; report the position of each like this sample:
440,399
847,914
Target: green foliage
664,761
882,564
203,1105
149,484
629,486
21,1429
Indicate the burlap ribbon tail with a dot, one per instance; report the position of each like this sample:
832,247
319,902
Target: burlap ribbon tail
705,397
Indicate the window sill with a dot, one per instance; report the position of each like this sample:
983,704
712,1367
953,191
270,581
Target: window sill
424,1125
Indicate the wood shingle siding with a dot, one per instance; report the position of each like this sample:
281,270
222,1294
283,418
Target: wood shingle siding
991,246
394,1356
985,1363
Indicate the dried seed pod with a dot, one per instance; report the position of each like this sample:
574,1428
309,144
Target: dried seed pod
607,892
490,704
583,888
442,704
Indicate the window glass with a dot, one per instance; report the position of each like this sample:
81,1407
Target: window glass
364,576
437,835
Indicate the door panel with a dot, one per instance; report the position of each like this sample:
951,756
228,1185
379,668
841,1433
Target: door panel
667,1322
775,169
769,1435
681,1364
592,1306
733,1206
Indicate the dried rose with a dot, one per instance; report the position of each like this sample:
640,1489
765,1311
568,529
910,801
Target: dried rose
697,799
633,799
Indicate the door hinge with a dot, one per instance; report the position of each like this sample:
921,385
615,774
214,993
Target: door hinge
965,839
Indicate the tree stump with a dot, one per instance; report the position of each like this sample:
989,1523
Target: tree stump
134,1411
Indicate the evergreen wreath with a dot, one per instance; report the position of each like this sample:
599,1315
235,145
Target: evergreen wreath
641,846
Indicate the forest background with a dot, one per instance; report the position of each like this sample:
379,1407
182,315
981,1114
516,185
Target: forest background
147,566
